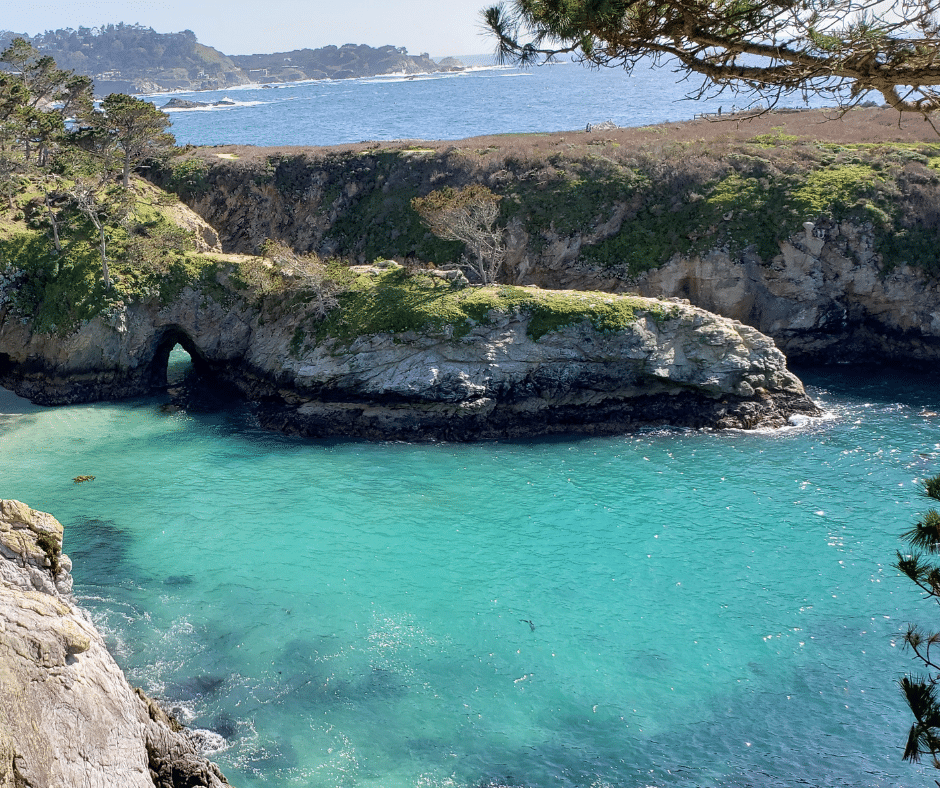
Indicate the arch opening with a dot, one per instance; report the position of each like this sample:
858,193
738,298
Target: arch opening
179,366
181,370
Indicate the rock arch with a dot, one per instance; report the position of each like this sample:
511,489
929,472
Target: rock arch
167,339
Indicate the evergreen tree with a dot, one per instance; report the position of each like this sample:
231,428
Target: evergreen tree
763,48
921,692
137,129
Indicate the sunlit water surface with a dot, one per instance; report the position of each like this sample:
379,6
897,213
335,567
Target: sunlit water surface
664,609
447,106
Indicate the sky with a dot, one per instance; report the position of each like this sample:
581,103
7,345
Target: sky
237,27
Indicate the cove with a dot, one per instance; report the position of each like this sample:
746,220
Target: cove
667,608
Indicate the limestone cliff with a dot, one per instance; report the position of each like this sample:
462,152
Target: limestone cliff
489,363
68,717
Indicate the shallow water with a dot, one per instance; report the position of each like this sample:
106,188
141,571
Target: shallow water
665,609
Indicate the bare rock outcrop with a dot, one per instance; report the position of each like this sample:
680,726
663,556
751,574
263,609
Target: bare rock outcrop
672,364
823,298
68,717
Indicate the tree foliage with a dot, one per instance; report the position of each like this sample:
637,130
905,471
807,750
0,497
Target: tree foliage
54,142
921,692
763,48
136,127
469,215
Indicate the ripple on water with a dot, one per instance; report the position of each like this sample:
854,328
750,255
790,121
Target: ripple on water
703,606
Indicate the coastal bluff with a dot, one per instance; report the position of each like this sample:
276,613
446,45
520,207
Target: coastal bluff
68,716
820,232
410,356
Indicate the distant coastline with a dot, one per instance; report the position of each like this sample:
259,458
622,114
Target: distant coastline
135,59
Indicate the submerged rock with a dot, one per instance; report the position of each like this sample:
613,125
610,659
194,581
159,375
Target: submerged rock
68,717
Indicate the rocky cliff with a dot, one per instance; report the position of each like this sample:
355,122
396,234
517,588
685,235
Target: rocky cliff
68,717
824,297
711,212
415,356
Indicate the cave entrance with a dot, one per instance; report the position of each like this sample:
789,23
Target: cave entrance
186,375
177,360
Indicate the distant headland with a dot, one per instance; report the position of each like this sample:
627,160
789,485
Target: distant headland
135,59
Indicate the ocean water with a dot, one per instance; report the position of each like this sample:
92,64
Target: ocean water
660,609
482,100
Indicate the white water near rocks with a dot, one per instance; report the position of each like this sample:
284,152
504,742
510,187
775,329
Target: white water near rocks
664,609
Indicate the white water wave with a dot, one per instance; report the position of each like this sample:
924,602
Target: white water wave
212,107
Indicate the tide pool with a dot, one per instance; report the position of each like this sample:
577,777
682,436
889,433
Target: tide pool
663,609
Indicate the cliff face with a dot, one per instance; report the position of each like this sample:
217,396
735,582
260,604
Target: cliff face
601,364
823,298
68,717
658,212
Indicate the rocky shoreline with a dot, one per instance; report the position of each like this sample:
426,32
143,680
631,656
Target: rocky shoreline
68,716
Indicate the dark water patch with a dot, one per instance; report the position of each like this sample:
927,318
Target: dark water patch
179,580
875,383
99,549
225,725
194,688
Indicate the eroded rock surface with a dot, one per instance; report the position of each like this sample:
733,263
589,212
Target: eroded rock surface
671,364
68,717
823,298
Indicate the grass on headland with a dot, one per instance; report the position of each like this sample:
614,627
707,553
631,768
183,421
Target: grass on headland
149,255
399,301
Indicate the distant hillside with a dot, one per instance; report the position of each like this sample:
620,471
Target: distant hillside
135,59
349,60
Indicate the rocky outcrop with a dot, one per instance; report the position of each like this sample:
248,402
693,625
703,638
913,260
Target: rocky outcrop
718,220
682,367
68,717
824,298
671,363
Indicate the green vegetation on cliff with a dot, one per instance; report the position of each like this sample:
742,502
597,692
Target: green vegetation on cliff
627,206
78,238
397,301
135,58
150,255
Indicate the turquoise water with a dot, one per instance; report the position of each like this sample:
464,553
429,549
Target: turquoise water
665,609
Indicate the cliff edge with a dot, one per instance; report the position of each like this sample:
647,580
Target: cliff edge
68,717
821,233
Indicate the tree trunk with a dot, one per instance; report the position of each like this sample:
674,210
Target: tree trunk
104,259
127,169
